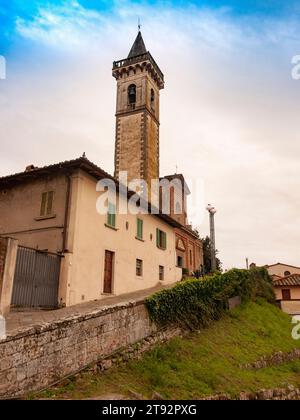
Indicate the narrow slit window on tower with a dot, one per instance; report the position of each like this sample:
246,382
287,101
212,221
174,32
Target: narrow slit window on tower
132,96
152,99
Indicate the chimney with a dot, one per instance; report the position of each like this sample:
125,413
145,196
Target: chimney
30,168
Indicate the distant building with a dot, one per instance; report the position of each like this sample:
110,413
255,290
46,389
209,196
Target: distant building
282,270
287,291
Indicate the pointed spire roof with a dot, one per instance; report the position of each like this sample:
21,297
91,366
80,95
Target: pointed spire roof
138,47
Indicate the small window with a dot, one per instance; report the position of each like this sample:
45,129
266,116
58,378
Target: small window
47,203
287,273
161,272
139,228
161,239
132,95
152,99
139,268
286,294
179,261
111,215
191,257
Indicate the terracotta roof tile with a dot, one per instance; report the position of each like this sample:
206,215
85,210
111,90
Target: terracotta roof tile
292,280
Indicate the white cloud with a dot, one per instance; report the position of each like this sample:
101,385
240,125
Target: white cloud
229,112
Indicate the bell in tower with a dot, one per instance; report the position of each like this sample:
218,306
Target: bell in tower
139,81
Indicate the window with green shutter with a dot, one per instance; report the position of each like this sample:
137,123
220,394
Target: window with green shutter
111,215
161,239
139,233
47,203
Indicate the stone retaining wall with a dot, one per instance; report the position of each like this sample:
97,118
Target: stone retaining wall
275,359
42,355
288,393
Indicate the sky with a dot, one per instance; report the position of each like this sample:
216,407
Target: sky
229,111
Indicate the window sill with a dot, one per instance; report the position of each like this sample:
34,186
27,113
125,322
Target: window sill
162,249
140,239
110,227
49,216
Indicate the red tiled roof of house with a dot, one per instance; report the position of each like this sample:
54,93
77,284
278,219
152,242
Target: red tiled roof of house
292,280
83,163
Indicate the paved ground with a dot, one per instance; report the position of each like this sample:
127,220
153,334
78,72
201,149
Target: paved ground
18,320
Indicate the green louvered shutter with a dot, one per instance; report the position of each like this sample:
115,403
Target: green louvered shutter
164,240
140,228
43,204
111,216
49,202
157,238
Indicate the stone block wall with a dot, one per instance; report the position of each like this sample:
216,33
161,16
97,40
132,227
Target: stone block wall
38,357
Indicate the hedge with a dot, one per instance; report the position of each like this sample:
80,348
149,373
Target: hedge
195,303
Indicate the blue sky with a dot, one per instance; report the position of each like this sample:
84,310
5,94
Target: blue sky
229,99
11,10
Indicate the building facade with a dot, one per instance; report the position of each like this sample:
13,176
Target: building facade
282,270
287,292
54,210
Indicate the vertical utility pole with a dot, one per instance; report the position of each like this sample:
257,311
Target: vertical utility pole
212,211
247,263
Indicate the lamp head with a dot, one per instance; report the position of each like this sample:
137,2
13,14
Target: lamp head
211,209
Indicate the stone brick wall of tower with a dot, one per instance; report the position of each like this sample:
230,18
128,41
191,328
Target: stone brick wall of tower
137,127
129,145
152,154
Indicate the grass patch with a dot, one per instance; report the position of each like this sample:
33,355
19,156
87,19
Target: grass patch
203,363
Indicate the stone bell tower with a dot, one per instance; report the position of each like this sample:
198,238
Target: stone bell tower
139,81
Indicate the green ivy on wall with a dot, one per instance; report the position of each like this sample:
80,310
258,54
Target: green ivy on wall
195,303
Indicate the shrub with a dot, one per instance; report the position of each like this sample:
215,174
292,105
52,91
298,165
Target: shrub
194,303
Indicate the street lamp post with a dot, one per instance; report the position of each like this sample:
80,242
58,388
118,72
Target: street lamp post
212,211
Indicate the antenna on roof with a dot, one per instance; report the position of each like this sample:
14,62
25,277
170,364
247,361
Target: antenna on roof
176,169
84,155
139,24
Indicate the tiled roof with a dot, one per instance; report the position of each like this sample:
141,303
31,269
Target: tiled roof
292,280
286,265
69,165
34,172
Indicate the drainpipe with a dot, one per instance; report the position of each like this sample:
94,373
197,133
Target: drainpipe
67,208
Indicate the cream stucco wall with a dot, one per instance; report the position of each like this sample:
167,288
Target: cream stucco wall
291,307
279,269
88,238
20,210
295,292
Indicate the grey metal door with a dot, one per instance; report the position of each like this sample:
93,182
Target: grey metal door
36,279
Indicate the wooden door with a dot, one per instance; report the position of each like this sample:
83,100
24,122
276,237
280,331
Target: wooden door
108,272
286,294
